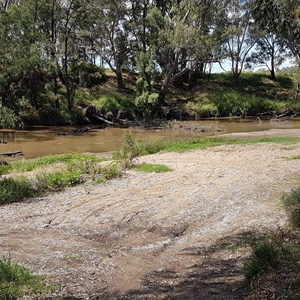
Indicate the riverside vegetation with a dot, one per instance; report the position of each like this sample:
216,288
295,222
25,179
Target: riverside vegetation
215,95
53,57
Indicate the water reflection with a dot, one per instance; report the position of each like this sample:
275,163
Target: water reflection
40,141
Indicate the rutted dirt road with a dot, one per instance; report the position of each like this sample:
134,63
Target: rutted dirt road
173,235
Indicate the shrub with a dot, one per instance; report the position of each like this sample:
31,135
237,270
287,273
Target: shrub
129,150
231,104
17,281
265,255
59,180
204,110
12,190
111,172
115,104
7,118
292,204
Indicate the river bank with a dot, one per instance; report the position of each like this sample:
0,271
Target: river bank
174,235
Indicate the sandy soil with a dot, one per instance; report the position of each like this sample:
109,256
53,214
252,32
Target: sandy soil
177,235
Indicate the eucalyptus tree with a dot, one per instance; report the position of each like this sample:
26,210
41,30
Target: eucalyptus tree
283,18
108,35
20,53
237,27
269,52
5,4
187,37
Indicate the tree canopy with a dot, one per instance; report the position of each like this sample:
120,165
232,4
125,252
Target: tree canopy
50,48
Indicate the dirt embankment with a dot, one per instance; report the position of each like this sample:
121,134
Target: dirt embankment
176,235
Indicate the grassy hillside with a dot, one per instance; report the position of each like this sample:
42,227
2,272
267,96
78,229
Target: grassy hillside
217,95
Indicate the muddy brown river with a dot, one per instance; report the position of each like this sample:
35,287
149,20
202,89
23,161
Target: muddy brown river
39,141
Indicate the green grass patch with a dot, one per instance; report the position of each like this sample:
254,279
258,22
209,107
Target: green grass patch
149,168
295,157
60,179
70,158
17,281
133,148
179,146
16,189
76,168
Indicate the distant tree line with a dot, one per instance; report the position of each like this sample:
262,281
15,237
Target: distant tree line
50,48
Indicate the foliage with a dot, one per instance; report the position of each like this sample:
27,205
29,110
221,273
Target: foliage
274,263
265,255
281,17
116,105
52,52
204,110
17,281
232,103
149,168
69,169
60,179
130,149
13,190
7,118
292,205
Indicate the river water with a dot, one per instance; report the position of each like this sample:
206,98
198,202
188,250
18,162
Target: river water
39,141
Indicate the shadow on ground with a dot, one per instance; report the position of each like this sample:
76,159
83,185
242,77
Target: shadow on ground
218,275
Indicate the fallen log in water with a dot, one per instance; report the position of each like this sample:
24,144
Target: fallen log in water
12,153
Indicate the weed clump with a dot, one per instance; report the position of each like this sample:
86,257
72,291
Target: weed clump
17,281
292,205
13,190
265,256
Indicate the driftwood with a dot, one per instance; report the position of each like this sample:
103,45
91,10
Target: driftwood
12,153
94,115
272,116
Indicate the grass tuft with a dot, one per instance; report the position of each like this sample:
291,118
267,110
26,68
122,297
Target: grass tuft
17,281
149,168
15,189
265,256
292,205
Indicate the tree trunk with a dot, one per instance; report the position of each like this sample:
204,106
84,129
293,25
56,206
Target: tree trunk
272,68
120,81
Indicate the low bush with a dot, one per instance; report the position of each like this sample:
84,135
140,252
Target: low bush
7,118
116,104
60,179
204,110
17,281
265,256
15,189
292,205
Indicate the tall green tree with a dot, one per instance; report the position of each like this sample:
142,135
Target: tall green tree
269,52
281,17
236,31
110,39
